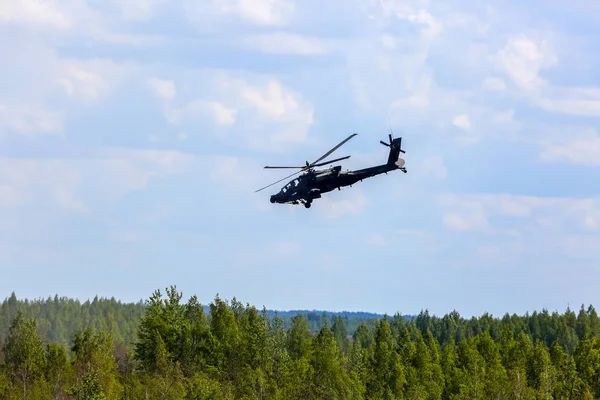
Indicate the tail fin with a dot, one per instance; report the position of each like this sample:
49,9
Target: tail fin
395,150
395,146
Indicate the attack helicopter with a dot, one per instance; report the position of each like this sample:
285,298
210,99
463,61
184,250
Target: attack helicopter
313,182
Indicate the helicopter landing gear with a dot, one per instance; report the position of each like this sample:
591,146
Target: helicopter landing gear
307,203
403,170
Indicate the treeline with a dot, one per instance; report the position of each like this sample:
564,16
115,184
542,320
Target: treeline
59,318
235,351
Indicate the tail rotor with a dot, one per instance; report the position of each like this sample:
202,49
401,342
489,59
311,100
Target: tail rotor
393,142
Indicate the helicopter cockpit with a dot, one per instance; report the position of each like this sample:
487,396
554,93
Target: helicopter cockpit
292,184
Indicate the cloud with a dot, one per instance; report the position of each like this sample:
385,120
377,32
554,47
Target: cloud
194,110
522,59
39,181
267,114
525,213
138,10
591,223
493,83
34,12
91,80
222,114
259,12
35,98
462,121
89,183
572,101
583,150
30,120
285,43
475,218
164,89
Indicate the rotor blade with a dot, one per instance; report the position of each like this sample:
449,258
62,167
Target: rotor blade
283,167
384,143
335,148
282,179
331,161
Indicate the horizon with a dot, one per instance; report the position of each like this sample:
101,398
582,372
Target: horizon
205,305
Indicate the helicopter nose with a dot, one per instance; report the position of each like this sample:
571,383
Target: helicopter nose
273,199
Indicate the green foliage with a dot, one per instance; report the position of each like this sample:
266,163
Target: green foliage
230,351
24,352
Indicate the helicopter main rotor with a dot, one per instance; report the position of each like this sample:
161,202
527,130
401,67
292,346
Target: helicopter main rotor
310,166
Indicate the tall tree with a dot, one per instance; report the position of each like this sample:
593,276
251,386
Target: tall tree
23,351
387,379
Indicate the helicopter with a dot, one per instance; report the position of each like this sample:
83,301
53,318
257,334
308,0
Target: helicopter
313,183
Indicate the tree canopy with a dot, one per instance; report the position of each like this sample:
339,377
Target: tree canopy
171,349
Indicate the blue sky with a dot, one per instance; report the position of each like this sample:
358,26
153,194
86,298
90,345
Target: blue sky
133,135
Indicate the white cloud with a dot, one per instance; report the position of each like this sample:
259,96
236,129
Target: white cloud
138,10
164,89
273,101
285,43
196,109
260,12
394,69
472,217
222,115
526,213
35,81
462,121
572,101
78,19
584,150
504,117
493,83
591,223
522,59
34,12
86,184
271,114
29,181
431,26
30,120
91,79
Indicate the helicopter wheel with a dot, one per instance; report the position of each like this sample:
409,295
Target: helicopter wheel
307,204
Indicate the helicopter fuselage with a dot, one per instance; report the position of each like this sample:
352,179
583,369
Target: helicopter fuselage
311,185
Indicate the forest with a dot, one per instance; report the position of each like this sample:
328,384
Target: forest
166,348
58,318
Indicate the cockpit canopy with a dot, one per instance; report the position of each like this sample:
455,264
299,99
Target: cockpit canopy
292,184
